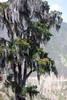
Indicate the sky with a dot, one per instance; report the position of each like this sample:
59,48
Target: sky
60,5
3,0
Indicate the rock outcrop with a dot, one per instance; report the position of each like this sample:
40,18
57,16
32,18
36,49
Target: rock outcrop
50,87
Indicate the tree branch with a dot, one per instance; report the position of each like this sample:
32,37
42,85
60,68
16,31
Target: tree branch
29,73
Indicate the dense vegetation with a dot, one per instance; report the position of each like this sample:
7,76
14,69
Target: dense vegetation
22,54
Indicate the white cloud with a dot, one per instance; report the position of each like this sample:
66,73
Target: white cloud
61,0
3,0
64,18
55,7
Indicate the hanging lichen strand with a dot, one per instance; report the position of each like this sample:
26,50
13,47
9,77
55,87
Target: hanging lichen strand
28,23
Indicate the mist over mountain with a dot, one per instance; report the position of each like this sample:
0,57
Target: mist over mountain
57,49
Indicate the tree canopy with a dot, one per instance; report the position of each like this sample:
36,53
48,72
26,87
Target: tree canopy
27,30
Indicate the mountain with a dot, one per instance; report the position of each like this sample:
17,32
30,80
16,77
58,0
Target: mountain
57,49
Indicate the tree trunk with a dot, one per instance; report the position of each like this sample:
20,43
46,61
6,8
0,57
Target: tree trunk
24,75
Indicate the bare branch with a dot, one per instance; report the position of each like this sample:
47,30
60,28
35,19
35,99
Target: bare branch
30,73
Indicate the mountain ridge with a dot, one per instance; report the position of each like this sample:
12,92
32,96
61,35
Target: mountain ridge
57,49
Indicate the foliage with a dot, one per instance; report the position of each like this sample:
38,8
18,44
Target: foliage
41,30
25,52
3,6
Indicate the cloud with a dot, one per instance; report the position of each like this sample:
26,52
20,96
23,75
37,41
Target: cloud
3,0
61,0
64,18
55,7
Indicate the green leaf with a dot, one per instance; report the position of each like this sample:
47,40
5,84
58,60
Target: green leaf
35,56
42,70
4,5
22,42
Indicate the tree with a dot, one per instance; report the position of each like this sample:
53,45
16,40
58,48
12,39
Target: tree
27,30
